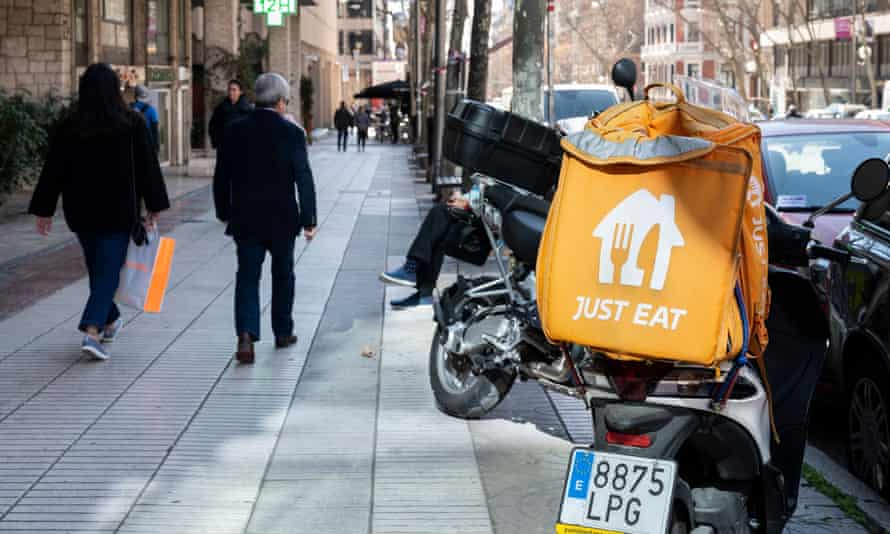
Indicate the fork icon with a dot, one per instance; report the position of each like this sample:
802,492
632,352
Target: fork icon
625,251
623,231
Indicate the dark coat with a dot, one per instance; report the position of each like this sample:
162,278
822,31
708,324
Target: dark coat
342,119
94,172
254,182
225,113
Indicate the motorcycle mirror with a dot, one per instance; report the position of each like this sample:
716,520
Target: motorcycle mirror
624,74
870,179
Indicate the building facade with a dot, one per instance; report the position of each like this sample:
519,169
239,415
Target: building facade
674,44
46,44
361,41
321,64
821,52
588,37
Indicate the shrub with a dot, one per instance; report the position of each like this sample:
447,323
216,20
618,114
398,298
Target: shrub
25,128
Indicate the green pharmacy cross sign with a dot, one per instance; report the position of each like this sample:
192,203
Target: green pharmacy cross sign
275,10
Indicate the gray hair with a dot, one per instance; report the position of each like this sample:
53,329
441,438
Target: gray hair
270,88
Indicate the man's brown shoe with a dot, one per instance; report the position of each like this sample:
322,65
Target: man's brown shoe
284,342
245,349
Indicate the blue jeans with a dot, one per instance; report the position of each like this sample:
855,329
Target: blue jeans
251,254
342,137
104,255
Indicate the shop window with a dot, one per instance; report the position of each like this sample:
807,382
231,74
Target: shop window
158,33
81,47
183,48
840,59
356,9
693,33
362,41
884,56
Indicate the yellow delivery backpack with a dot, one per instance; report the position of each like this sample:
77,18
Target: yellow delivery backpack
655,246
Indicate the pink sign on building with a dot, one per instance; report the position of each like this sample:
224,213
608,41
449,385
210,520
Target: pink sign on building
843,28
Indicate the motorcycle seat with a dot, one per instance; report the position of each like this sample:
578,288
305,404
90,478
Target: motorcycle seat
524,217
506,200
522,231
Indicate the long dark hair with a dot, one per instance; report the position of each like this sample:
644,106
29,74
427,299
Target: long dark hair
101,108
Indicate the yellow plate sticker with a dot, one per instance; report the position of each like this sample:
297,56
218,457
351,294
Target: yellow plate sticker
572,529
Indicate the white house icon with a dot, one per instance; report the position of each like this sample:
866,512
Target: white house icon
626,227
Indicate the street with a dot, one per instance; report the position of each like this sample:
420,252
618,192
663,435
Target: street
338,433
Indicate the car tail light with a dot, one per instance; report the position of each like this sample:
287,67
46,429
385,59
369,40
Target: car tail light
642,441
635,380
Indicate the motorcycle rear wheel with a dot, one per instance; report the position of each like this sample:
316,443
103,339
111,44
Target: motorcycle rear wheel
458,391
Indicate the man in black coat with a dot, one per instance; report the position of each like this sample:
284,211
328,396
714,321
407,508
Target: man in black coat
233,107
342,122
254,192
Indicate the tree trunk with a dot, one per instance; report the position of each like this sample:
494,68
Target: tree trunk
455,52
528,58
477,83
869,61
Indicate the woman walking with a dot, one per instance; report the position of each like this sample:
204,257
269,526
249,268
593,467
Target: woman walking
102,164
362,123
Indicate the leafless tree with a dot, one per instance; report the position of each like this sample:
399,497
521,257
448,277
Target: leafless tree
801,30
870,52
478,76
592,35
733,29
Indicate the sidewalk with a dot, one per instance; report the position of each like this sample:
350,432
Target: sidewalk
171,436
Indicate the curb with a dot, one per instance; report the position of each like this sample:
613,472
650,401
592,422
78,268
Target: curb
876,510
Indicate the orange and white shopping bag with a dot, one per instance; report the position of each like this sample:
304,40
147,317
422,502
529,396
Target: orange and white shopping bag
145,273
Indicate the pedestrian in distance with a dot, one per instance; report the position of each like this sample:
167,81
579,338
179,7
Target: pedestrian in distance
342,122
253,189
103,165
394,122
362,123
426,255
233,107
150,114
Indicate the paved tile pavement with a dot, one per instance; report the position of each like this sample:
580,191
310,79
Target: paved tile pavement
171,436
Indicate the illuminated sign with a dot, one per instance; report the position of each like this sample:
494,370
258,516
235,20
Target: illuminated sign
275,10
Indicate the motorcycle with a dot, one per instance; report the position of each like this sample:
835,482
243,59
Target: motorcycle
667,456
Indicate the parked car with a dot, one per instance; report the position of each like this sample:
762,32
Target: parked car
807,163
574,104
835,111
857,284
874,114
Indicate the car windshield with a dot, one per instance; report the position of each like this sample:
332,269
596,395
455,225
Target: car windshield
578,102
809,171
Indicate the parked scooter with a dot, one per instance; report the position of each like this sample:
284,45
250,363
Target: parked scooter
666,457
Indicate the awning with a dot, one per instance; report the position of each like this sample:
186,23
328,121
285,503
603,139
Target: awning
395,89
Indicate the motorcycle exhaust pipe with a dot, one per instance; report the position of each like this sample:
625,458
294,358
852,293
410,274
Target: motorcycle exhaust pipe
560,371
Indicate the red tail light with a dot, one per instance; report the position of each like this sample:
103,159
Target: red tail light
633,380
642,441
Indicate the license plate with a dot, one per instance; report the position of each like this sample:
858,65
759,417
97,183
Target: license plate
613,493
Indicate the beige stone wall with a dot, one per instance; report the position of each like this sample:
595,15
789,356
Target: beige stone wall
318,26
221,24
35,46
